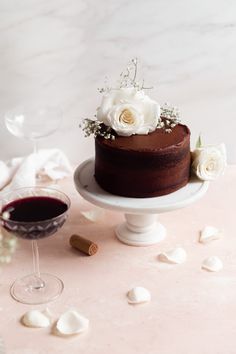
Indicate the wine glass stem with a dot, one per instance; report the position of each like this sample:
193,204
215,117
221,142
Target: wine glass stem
35,252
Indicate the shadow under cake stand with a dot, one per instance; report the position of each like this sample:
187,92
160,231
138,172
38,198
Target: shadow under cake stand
141,227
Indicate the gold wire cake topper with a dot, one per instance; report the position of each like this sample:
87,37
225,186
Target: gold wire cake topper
126,110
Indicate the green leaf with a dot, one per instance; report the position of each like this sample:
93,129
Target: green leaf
199,142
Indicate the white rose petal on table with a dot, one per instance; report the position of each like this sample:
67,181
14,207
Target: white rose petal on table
209,233
36,319
212,264
71,322
209,162
94,214
138,295
175,256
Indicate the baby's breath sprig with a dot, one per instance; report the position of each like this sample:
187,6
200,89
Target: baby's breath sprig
170,117
128,77
90,126
8,244
107,88
96,128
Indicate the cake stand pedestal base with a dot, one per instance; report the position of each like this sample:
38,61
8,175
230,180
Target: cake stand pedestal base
140,230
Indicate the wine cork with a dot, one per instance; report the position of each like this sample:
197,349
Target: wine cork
83,244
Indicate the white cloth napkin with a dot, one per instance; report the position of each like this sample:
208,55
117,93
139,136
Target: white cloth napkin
22,171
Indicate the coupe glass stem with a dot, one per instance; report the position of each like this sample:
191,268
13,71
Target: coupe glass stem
35,251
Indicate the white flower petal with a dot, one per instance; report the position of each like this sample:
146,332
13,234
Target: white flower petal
102,111
124,95
71,322
212,264
122,127
176,256
35,318
151,113
209,233
93,214
138,295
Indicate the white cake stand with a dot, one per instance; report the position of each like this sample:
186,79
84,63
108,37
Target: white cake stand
141,227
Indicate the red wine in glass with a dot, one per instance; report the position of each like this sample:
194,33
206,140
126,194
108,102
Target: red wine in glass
39,216
33,213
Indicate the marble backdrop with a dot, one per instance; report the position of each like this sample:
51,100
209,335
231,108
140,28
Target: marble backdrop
59,52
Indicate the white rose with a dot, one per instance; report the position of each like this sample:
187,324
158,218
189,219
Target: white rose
129,111
125,119
209,162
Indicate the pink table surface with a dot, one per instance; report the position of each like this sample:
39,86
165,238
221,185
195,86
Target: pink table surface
192,311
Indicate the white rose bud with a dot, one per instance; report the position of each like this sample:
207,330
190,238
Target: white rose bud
209,162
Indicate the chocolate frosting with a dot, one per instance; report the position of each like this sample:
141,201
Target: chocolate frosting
154,141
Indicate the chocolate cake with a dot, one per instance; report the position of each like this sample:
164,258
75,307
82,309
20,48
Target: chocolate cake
142,166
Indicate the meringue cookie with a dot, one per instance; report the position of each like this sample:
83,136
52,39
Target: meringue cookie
35,319
71,322
209,233
138,295
176,256
212,264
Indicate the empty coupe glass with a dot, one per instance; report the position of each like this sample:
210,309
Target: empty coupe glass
33,122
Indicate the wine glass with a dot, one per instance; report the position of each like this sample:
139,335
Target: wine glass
33,213
33,122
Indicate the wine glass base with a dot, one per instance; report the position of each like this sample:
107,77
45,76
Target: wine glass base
22,291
